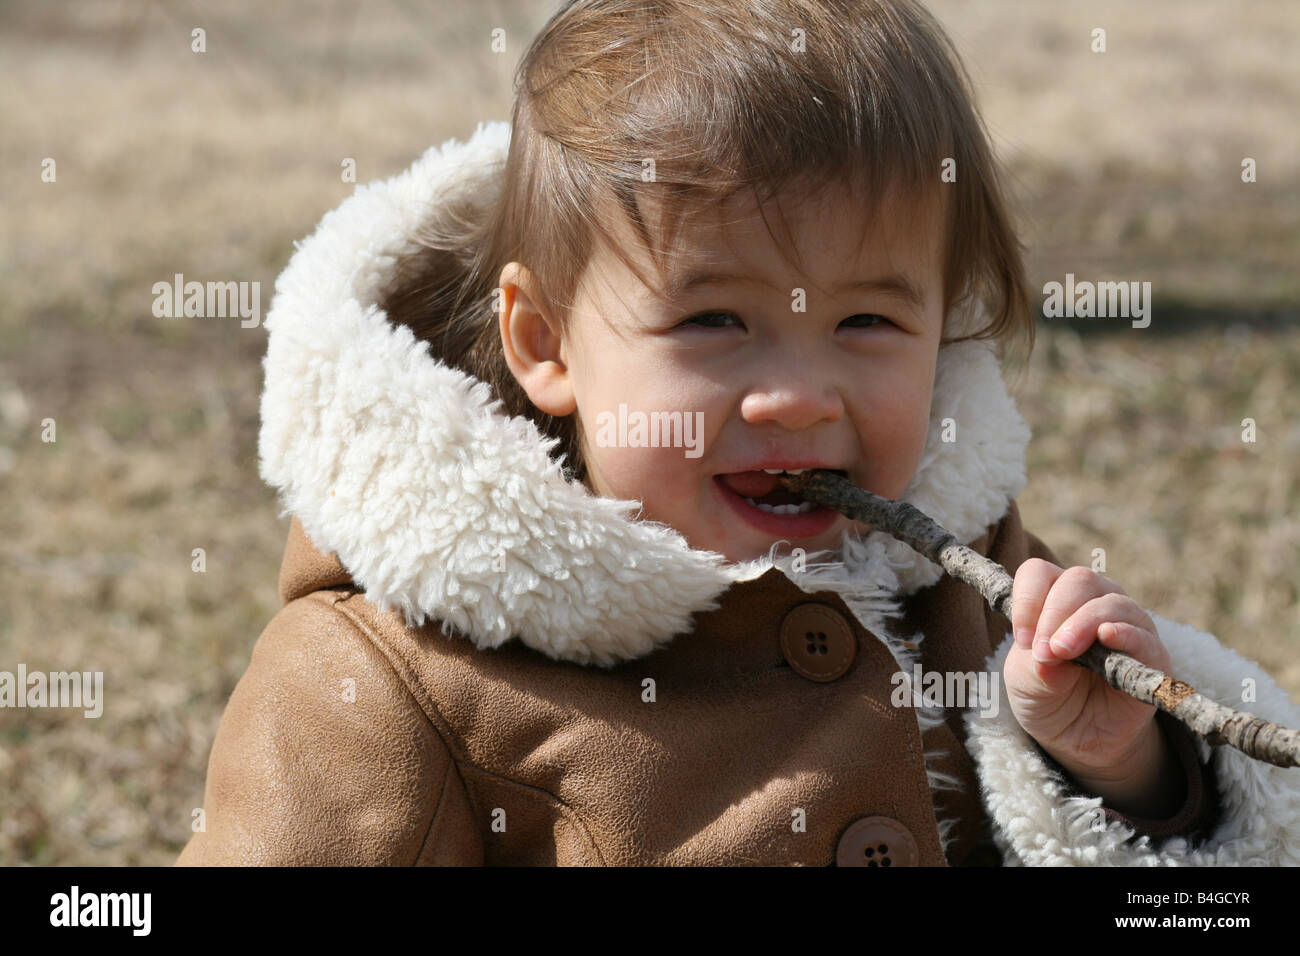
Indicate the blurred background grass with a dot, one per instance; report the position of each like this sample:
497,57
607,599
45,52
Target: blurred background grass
1125,165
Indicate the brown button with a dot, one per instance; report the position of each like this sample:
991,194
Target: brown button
817,641
876,841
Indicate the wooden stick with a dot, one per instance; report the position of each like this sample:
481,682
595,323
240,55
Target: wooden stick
1215,723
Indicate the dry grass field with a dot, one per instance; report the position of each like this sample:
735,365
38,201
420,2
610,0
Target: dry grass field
1126,165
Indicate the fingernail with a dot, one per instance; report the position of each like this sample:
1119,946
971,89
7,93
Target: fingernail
1043,652
1063,643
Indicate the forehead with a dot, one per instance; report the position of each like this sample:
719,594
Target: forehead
826,234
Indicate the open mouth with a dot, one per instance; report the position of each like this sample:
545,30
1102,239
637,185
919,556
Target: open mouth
759,498
763,490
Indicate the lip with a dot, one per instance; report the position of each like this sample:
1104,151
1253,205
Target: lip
808,525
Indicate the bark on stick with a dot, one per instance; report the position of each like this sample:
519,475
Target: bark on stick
1215,723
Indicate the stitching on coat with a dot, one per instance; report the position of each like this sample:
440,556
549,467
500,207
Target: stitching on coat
437,808
458,757
334,598
566,811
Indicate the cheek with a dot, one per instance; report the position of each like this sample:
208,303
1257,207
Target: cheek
894,421
664,478
657,476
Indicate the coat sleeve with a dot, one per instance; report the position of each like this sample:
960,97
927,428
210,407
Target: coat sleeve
1235,810
323,757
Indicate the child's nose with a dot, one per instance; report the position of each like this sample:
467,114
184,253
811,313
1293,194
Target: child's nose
799,403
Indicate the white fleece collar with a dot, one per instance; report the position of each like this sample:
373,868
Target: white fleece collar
411,473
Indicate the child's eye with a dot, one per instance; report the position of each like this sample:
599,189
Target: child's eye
876,320
705,319
714,320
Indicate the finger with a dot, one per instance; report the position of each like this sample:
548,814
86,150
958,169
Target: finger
1073,588
1138,643
1083,627
1034,578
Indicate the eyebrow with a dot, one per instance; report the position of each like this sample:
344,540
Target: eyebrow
893,284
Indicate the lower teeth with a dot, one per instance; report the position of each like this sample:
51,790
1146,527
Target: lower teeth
800,509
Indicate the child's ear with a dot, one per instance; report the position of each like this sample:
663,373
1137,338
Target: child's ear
532,343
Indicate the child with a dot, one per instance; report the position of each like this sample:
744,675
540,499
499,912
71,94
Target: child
543,601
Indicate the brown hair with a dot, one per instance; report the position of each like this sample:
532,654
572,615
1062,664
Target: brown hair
723,95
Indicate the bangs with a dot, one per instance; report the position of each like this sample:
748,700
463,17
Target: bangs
641,224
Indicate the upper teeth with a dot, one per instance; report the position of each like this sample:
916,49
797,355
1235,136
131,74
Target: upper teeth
782,471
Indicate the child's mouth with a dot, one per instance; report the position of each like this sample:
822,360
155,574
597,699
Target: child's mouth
758,499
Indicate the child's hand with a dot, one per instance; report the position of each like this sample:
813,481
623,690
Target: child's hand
1107,740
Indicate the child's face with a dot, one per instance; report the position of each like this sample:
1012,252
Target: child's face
832,377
